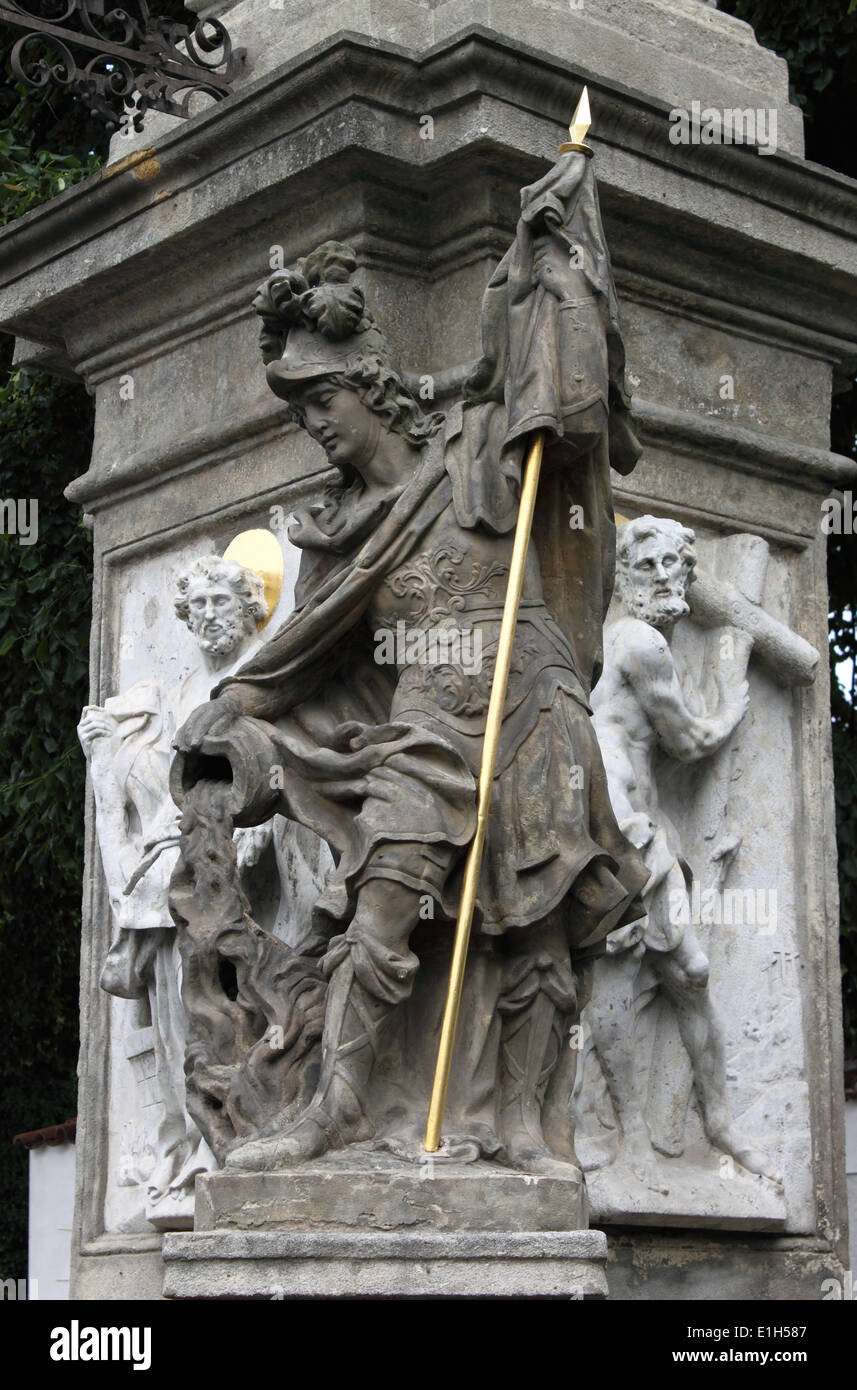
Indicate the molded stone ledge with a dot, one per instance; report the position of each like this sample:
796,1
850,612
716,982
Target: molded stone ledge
732,444
455,1264
700,1200
703,1267
716,440
43,357
680,50
150,200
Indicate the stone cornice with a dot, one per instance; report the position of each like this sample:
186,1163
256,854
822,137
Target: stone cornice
717,441
401,82
490,99
721,441
136,471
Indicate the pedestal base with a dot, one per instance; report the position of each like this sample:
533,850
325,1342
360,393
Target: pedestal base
449,1264
347,1229
696,1198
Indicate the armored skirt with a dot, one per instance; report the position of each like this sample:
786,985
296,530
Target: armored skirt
382,761
397,799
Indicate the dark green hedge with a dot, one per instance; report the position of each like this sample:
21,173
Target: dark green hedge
47,141
818,39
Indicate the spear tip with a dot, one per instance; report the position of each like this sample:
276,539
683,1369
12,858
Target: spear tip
581,120
580,124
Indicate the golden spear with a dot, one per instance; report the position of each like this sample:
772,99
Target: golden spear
580,123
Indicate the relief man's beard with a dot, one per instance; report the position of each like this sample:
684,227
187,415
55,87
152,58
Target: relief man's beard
656,610
222,642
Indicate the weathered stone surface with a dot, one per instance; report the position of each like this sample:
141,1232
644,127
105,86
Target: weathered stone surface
690,769
704,1267
281,1264
678,50
363,1190
697,1198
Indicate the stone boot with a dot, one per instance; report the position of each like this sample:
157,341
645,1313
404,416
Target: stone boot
335,1116
529,1050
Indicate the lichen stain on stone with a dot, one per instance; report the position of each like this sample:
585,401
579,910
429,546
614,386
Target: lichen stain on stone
148,170
642,1259
135,160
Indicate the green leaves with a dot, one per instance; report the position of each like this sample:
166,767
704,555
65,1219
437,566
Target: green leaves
45,441
48,142
845,765
818,39
28,178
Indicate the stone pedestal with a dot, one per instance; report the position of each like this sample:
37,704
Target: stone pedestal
359,1226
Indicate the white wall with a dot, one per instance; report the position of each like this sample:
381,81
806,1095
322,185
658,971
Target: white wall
51,1210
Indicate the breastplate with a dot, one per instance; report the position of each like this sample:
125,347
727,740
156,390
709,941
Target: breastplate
458,576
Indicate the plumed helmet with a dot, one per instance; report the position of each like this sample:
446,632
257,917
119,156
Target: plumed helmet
314,320
309,353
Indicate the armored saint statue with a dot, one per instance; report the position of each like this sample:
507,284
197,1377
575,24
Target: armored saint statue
363,718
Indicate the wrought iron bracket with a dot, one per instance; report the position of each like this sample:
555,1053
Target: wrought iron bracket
122,66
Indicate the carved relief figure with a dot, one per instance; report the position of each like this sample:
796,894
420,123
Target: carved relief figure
127,742
643,713
415,533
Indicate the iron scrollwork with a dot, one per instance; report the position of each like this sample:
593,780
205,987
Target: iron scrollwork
136,65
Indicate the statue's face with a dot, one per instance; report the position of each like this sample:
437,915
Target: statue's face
347,430
215,615
653,588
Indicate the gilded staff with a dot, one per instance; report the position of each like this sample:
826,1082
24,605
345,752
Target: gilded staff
580,123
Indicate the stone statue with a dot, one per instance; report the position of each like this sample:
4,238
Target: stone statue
643,712
127,742
412,536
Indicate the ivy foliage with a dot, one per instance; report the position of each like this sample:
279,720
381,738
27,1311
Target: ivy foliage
30,177
818,39
841,575
48,141
45,610
843,672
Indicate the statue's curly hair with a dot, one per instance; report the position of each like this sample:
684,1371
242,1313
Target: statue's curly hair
316,294
630,533
380,387
245,583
